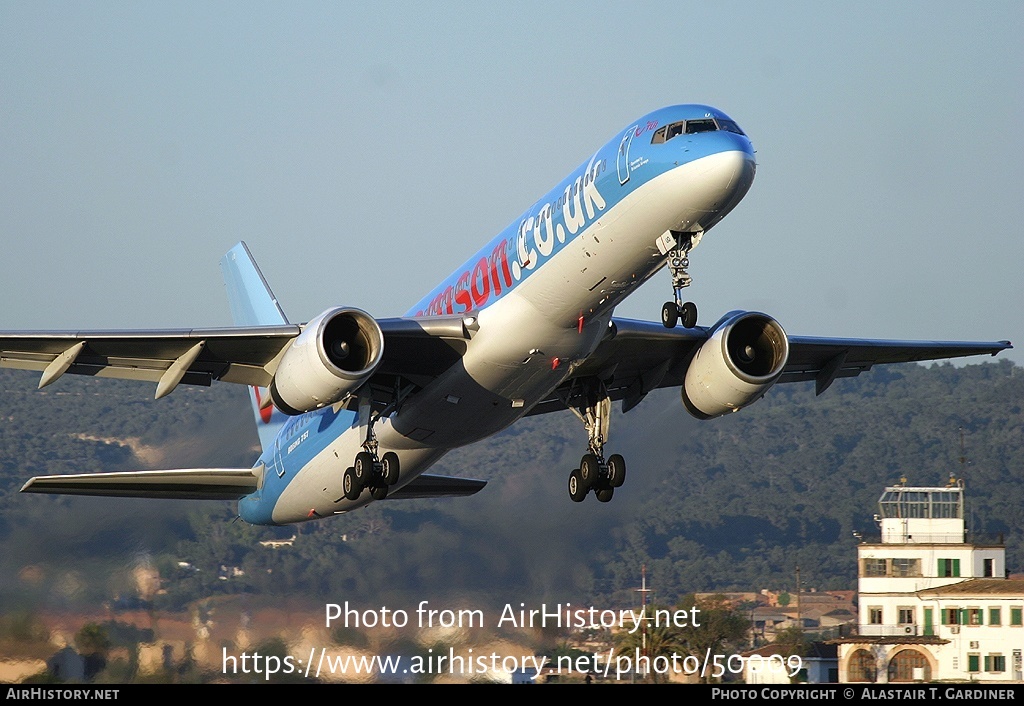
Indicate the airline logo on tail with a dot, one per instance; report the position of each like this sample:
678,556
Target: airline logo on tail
264,412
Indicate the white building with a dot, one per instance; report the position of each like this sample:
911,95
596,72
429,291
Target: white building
934,603
772,664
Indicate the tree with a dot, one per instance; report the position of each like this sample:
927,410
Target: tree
793,640
92,639
718,628
652,641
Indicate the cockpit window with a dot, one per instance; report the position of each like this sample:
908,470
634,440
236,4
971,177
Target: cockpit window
705,125
691,127
668,132
728,126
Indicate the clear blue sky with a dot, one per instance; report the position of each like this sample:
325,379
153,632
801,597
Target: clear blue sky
363,150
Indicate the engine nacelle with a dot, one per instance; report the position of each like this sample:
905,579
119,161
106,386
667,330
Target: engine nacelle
335,354
735,367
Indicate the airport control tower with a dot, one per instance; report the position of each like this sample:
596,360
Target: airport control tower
924,545
934,601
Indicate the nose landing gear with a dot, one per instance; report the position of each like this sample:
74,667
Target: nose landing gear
678,262
673,312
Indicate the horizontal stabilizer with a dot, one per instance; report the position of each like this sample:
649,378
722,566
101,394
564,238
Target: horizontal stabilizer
192,484
431,486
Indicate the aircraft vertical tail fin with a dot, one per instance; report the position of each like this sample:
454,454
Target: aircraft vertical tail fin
251,300
253,304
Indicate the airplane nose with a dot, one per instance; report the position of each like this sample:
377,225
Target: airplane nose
727,177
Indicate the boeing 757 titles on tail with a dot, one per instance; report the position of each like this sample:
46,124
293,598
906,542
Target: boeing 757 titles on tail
352,409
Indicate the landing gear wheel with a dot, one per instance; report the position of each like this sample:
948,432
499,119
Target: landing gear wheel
616,471
350,485
379,492
577,491
669,315
590,467
688,313
389,467
604,495
363,468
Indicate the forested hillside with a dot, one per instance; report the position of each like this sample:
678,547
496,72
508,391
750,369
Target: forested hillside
734,503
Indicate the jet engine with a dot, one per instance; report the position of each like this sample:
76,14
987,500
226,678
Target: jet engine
335,354
744,356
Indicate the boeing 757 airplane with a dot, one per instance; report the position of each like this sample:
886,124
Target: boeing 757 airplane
352,409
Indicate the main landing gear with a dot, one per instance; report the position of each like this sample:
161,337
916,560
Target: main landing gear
588,399
370,471
678,261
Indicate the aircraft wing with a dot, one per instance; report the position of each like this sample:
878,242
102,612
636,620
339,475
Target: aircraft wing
638,356
417,349
172,356
192,484
429,485
215,484
825,359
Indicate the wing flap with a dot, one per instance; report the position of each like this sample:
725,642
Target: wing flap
191,484
434,486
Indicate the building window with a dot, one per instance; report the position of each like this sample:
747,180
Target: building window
873,568
1015,616
909,665
989,570
905,568
973,663
995,616
974,616
906,616
949,568
995,663
950,616
862,666
875,615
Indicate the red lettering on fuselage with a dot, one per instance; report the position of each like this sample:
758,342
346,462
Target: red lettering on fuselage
482,292
651,124
462,296
500,256
444,300
493,274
